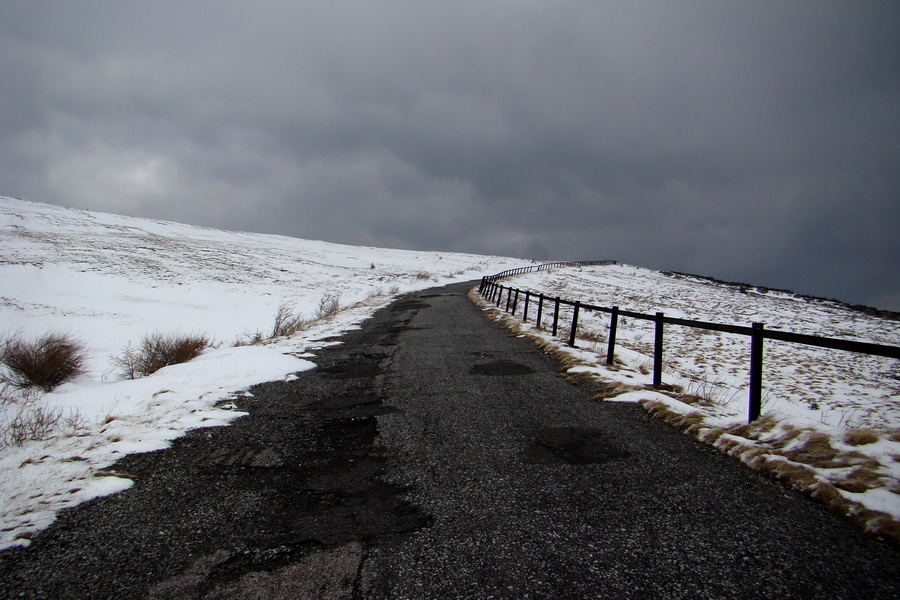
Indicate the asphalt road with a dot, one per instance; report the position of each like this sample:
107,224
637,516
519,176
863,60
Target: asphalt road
433,455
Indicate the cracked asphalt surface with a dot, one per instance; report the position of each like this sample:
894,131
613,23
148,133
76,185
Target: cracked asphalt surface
433,455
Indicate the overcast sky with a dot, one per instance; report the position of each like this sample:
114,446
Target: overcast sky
756,141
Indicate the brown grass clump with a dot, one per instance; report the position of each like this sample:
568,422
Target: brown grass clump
789,432
609,389
688,422
46,362
569,378
795,475
880,524
591,335
157,351
861,437
861,479
752,431
817,451
693,399
287,322
329,305
160,351
710,436
828,495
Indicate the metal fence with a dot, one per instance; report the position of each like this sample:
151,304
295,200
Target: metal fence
494,292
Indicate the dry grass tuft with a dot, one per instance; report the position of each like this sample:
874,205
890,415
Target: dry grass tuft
609,389
46,362
711,436
816,450
688,422
24,416
788,433
329,305
861,437
591,335
861,479
752,431
693,399
828,495
287,322
569,378
157,351
879,524
795,475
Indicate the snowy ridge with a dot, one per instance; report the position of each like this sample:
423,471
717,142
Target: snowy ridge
110,280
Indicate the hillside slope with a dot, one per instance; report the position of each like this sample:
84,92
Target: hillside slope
110,280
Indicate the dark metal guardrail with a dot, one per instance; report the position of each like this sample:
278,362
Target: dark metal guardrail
544,267
494,292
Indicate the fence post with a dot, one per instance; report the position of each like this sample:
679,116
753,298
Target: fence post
658,351
540,311
515,302
574,323
555,316
499,295
756,358
611,345
508,298
525,312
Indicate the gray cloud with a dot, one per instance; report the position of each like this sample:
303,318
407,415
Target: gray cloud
747,141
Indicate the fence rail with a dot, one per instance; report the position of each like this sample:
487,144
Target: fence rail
544,267
494,292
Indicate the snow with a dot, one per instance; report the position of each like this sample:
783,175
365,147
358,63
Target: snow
110,280
830,392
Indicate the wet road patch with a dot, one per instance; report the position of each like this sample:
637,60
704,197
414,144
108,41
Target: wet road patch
352,370
500,368
401,306
351,406
571,445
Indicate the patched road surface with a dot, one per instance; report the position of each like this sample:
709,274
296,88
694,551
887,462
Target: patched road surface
434,455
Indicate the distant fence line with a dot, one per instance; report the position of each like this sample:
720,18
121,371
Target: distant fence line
544,267
494,293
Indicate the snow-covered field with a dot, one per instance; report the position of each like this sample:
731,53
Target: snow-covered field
836,412
110,280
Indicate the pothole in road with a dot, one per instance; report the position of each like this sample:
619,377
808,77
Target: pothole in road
571,445
500,368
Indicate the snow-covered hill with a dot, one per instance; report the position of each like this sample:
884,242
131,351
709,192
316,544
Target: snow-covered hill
110,280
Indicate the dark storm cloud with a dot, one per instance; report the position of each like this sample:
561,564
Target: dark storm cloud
754,141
